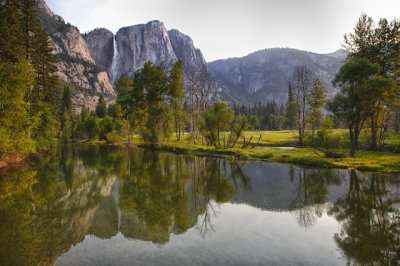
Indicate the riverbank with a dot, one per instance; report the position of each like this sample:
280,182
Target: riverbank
304,156
280,146
274,146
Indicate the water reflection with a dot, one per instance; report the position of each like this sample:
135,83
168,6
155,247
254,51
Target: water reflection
370,221
109,192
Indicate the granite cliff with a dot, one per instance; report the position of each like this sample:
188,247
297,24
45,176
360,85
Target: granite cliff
75,64
132,46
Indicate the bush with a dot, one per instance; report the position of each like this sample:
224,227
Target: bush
114,137
327,141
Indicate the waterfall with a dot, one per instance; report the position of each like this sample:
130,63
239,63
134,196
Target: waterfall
113,70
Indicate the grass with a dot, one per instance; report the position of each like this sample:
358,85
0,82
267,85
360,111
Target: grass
279,146
271,148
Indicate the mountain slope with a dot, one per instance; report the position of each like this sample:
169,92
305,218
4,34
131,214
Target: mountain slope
264,75
75,64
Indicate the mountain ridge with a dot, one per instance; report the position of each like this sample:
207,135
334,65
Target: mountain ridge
93,61
264,75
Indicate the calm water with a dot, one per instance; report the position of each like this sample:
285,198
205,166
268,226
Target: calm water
116,206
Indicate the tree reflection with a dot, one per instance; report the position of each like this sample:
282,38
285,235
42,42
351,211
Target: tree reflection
167,193
312,192
370,225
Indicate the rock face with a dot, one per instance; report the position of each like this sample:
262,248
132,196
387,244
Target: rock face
76,66
141,43
264,75
185,50
135,45
100,44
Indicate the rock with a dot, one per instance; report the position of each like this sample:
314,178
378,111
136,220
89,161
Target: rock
263,76
76,66
185,50
141,43
100,44
135,45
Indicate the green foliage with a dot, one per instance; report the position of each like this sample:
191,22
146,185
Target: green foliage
360,89
45,125
91,127
32,105
11,36
114,137
67,124
101,107
253,121
217,119
15,81
316,100
291,109
106,126
177,96
327,141
380,44
66,100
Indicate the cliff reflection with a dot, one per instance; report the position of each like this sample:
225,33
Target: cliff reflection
52,203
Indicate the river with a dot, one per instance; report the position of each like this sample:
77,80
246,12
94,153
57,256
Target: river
100,205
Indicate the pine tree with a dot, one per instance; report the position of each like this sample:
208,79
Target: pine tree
316,100
177,96
46,85
15,80
101,108
67,118
11,46
291,109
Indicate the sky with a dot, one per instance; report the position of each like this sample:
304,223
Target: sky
234,28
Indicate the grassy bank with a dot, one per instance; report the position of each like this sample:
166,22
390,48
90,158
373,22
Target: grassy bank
278,146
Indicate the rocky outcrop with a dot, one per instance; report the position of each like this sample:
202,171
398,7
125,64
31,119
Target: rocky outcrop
100,44
141,43
138,44
72,44
76,65
185,50
264,75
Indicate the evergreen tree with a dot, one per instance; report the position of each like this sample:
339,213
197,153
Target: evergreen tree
67,118
11,37
15,130
316,100
101,108
291,109
46,87
124,87
177,96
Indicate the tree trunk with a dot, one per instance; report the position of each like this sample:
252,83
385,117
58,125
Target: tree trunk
300,135
353,142
397,122
374,133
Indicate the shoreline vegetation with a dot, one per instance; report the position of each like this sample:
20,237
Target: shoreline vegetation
277,146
